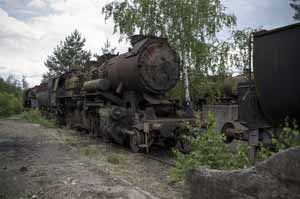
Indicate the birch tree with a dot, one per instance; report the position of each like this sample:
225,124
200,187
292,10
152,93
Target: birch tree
191,26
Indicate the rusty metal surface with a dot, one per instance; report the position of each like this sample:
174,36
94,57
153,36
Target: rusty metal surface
153,67
222,113
97,84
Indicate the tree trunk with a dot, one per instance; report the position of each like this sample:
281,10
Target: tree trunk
187,98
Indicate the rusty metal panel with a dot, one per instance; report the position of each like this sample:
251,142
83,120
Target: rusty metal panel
154,69
222,113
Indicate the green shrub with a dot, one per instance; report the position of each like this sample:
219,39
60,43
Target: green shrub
210,150
289,136
283,138
9,104
10,97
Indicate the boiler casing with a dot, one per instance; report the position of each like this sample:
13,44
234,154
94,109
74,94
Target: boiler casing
151,66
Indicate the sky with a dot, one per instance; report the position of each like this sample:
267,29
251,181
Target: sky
30,29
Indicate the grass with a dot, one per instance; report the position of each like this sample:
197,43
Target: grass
89,151
114,159
93,151
34,116
71,141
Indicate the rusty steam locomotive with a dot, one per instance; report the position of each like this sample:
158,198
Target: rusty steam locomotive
121,97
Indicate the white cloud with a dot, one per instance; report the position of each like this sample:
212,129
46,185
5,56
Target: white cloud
37,4
37,26
10,26
257,13
24,45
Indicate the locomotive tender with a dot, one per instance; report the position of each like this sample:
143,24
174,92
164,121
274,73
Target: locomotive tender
121,97
271,93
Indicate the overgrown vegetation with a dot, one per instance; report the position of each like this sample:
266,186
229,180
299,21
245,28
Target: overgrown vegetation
90,150
283,138
289,136
35,116
9,104
10,96
115,158
209,150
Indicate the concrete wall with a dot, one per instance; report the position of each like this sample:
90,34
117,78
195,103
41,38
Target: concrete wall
276,178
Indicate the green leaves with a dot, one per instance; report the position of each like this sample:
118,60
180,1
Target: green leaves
289,136
209,150
9,104
107,49
10,96
189,25
295,4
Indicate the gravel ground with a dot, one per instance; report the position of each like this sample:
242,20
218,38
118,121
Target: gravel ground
36,162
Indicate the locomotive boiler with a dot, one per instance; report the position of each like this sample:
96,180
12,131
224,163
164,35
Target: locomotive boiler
122,98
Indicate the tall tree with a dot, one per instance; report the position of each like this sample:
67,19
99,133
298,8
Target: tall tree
68,55
191,26
25,84
295,4
107,48
107,52
12,80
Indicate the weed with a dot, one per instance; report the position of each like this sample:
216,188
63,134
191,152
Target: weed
210,150
114,159
89,151
35,116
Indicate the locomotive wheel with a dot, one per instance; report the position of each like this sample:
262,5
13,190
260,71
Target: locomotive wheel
134,142
228,137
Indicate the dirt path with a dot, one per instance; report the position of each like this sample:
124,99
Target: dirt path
36,162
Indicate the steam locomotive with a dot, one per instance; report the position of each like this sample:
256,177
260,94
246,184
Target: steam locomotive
121,98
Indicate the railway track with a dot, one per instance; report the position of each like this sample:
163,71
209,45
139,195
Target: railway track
151,157
159,154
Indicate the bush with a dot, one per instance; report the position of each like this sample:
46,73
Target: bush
289,135
283,138
34,116
210,150
9,104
